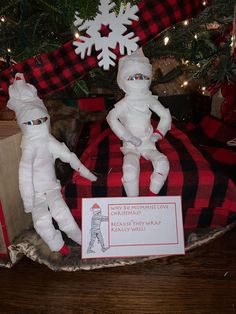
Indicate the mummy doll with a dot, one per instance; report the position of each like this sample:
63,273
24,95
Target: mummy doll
130,120
39,188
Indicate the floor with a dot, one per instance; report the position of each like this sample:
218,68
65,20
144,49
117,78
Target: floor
202,281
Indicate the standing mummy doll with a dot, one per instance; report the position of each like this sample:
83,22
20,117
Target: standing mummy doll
130,120
39,188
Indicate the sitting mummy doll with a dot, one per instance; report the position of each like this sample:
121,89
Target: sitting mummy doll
38,185
130,120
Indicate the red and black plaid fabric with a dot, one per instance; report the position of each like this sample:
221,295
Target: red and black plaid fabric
208,194
213,136
92,104
215,129
57,69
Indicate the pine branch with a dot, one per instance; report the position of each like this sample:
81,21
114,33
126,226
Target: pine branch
80,87
168,77
11,4
52,8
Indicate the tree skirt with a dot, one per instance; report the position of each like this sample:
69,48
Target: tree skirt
209,206
32,246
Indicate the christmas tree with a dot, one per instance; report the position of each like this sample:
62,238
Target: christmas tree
203,45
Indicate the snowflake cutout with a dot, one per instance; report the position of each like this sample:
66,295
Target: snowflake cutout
105,32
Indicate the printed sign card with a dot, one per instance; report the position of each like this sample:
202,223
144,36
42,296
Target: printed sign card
132,226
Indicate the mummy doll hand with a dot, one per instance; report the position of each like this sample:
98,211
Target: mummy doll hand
133,140
84,172
155,137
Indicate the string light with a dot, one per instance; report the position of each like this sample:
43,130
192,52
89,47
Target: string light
3,19
186,22
166,40
203,90
232,41
77,35
185,83
8,49
195,36
204,3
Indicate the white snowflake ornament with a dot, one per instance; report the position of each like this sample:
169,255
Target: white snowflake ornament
105,32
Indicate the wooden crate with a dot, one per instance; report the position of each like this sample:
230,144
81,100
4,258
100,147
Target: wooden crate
13,219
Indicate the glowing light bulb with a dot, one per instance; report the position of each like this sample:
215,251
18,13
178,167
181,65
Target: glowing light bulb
8,49
166,40
77,35
195,36
185,83
232,41
3,19
186,22
204,3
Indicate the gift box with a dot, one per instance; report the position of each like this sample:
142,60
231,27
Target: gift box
13,219
208,194
93,103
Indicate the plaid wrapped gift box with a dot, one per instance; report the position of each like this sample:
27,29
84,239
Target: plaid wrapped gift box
92,103
208,194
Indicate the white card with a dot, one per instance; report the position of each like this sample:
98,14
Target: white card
132,226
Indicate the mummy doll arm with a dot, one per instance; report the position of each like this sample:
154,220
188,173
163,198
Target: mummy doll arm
26,179
164,124
118,128
61,151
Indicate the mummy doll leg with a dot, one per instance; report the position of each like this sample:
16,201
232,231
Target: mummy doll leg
131,171
160,169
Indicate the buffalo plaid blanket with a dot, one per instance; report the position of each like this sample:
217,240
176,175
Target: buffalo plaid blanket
53,71
218,140
208,194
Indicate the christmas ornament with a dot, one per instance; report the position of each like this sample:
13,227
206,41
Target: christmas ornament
130,120
38,185
105,32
